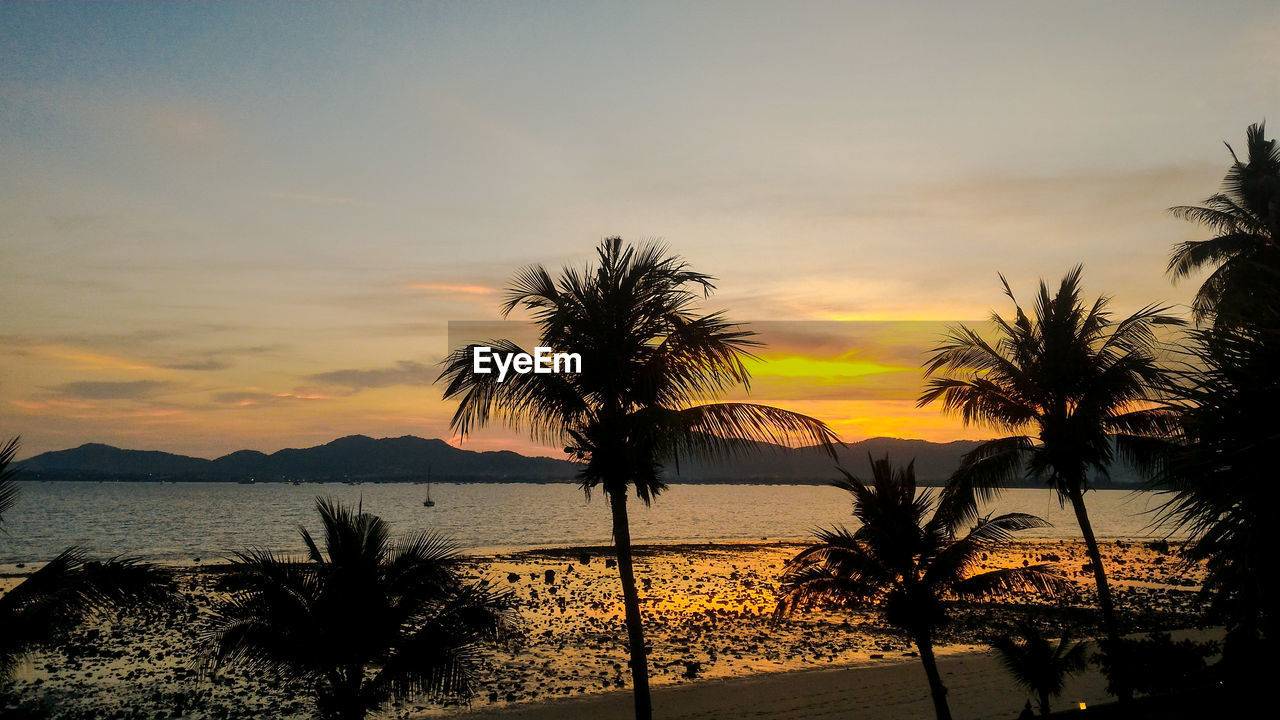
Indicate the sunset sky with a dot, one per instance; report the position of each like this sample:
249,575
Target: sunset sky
247,226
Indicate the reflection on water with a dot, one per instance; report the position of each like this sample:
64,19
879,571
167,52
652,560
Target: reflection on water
180,522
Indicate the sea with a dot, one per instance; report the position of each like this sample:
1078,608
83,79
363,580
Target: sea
186,523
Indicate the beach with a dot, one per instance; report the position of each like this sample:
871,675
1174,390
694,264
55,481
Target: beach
709,617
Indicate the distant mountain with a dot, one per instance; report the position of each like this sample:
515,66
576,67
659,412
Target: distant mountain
356,458
364,459
114,461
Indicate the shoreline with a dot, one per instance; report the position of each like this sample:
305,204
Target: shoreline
10,571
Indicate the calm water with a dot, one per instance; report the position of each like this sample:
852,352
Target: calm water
179,522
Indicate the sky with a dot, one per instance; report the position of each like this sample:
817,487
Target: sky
232,226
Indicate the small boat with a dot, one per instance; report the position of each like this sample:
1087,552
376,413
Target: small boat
428,502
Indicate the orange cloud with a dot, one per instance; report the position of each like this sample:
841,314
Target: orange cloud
451,288
255,397
88,358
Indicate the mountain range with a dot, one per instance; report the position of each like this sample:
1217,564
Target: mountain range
359,458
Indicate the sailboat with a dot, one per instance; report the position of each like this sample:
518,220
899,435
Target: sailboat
428,502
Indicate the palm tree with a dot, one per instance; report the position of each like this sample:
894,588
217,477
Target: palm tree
1082,382
1225,392
650,367
1245,217
1220,477
1039,666
364,621
67,590
906,560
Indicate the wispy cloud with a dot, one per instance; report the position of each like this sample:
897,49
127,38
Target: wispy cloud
200,365
254,398
405,372
89,358
105,390
450,288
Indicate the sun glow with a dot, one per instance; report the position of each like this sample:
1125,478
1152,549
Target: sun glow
845,366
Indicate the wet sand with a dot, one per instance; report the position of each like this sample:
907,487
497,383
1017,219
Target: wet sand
978,688
708,616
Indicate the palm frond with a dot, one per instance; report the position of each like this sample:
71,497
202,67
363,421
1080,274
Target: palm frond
1044,579
545,404
364,620
697,359
726,429
438,659
839,569
8,490
983,473
1036,664
66,591
902,561
957,560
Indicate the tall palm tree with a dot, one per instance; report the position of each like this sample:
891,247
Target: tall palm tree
364,620
906,559
1221,479
1084,384
1245,217
651,365
67,590
1221,473
1038,665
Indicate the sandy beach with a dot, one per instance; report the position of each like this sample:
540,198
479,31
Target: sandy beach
717,650
979,689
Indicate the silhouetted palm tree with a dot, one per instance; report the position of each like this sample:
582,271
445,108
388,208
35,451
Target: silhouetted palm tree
1245,217
1084,384
364,620
1221,474
650,366
1221,477
1038,665
67,590
906,560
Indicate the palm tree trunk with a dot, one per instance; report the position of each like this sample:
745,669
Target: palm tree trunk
1044,704
1112,628
354,708
631,601
939,691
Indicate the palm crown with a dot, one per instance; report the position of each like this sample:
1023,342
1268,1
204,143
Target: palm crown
1069,373
906,554
1038,665
650,366
1245,217
364,619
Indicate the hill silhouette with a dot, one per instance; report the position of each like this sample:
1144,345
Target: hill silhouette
359,458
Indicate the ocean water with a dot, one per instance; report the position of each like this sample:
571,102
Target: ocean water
177,523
